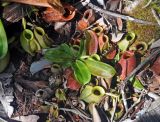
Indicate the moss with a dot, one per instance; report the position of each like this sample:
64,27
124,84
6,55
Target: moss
156,6
144,32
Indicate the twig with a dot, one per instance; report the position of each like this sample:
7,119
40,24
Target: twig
69,114
149,2
96,8
116,100
75,112
155,16
124,97
112,95
139,99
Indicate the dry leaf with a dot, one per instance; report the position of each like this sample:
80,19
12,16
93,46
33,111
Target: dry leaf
39,65
29,118
5,101
43,3
15,12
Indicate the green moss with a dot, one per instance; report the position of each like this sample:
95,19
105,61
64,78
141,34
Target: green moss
156,6
144,32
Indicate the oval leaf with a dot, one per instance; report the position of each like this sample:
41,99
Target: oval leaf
98,68
61,54
4,62
81,72
3,41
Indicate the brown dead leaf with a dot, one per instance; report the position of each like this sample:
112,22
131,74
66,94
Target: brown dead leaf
57,5
43,3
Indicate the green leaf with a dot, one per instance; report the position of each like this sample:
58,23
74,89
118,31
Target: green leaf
61,55
136,83
81,72
3,41
75,50
79,50
82,50
4,62
98,68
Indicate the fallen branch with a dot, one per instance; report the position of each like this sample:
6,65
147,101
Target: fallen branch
149,2
155,16
125,17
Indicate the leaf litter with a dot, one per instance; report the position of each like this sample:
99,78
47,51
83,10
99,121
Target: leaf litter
80,60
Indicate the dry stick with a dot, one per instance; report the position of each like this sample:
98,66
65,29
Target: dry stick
125,17
155,16
149,2
139,99
124,96
112,117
